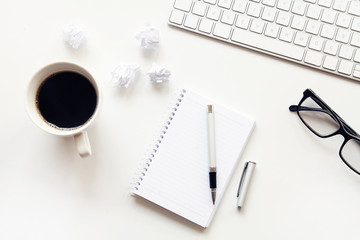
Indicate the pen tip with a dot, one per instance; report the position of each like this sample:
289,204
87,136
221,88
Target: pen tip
213,196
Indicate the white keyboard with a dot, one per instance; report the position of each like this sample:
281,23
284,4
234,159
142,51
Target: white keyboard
323,34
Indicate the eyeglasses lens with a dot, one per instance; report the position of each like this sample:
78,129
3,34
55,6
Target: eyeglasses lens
318,119
350,153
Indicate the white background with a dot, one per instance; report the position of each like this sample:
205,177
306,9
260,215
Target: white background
300,190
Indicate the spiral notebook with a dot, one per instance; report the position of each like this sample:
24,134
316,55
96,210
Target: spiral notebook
176,174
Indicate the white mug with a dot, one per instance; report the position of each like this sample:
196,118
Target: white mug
80,135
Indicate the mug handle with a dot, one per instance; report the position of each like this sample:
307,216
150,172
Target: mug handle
83,144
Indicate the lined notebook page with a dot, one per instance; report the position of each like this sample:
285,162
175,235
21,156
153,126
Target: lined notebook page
177,177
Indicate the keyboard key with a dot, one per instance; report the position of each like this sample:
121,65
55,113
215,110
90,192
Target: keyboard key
354,8
210,1
345,67
356,25
329,16
272,30
346,52
313,58
284,5
222,30
313,27
191,21
286,34
343,35
240,6
355,40
325,3
357,71
225,3
343,20
242,22
228,17
299,7
199,8
313,12
214,13
205,25
316,43
184,5
270,3
310,1
177,16
298,23
331,47
257,26
283,18
269,44
254,9
330,63
301,39
340,5
268,14
357,56
328,31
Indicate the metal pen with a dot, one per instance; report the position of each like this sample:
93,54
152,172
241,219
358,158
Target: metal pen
212,152
244,182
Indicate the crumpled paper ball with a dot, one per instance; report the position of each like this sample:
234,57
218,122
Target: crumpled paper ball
74,36
159,74
149,38
124,74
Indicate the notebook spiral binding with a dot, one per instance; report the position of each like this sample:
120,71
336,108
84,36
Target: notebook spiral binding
148,160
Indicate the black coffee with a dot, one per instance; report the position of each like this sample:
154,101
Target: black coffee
66,99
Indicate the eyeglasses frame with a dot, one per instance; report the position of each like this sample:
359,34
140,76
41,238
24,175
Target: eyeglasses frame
344,129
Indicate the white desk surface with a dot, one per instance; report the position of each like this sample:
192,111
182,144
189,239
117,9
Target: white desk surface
300,190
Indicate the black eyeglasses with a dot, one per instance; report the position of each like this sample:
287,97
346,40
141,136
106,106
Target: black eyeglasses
324,122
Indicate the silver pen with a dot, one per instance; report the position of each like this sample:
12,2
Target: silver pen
244,182
212,152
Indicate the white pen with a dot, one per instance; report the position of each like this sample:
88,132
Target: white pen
244,182
212,152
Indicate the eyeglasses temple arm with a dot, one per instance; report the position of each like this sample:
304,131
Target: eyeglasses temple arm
295,108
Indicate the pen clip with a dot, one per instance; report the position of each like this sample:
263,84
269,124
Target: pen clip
242,178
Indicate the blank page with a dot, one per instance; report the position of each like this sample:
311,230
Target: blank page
176,175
